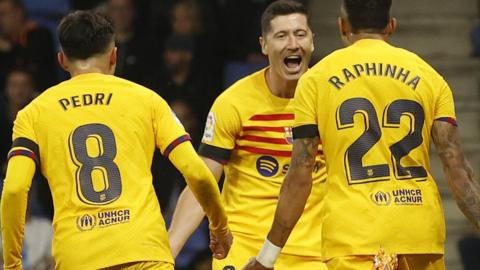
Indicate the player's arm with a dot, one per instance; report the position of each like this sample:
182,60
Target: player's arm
458,172
294,193
188,213
204,187
295,190
20,171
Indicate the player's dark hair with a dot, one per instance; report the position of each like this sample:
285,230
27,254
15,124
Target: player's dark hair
279,8
371,15
84,33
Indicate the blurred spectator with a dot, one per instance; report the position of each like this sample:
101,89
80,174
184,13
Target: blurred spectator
154,20
19,91
25,42
168,181
178,79
469,248
134,59
187,116
186,18
240,29
193,19
47,13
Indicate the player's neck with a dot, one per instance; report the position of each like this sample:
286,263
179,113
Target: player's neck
352,38
278,86
90,65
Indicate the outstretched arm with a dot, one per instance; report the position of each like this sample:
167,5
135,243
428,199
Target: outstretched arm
458,172
188,213
293,196
295,190
204,186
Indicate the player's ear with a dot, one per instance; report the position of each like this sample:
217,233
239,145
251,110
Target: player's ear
263,45
313,42
391,27
344,28
62,60
113,60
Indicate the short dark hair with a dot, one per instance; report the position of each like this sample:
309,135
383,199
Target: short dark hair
279,8
84,33
372,15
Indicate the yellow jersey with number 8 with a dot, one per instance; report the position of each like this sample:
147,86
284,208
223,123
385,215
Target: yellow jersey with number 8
94,137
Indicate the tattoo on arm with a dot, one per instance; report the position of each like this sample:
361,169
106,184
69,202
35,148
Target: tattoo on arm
304,152
458,172
295,189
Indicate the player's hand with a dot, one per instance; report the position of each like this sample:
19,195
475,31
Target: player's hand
220,243
384,261
254,265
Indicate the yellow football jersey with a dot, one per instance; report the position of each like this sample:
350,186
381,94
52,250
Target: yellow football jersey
374,106
94,137
250,131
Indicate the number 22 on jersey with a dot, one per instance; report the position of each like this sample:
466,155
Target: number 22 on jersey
355,170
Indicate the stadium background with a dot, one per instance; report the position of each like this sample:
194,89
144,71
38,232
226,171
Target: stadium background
189,51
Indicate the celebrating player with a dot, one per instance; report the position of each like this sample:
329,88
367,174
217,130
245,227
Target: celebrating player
376,109
93,137
248,136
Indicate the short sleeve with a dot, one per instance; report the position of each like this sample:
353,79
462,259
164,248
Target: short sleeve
445,107
169,131
222,127
24,141
304,105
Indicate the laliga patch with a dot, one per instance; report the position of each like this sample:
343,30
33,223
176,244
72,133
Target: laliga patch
209,128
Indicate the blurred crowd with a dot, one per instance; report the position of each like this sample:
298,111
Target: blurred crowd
188,51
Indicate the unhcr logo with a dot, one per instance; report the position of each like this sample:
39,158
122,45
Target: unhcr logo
381,198
86,222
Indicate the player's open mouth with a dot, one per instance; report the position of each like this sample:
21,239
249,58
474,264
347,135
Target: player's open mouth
293,63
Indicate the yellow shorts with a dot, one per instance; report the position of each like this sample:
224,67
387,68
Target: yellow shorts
405,262
244,248
142,266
